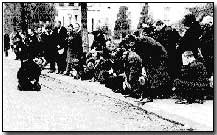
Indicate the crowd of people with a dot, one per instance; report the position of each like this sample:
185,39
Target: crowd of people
153,62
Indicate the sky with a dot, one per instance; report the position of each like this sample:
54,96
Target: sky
175,13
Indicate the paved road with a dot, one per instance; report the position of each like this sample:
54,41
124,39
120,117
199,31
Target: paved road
61,106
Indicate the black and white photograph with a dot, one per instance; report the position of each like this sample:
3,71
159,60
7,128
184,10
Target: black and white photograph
107,66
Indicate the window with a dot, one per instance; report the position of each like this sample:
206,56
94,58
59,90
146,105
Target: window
61,4
71,4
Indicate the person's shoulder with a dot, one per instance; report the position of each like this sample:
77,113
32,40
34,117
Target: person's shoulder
63,28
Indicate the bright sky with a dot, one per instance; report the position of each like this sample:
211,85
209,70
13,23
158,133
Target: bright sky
176,12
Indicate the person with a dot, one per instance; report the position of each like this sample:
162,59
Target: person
32,44
28,75
190,41
60,33
89,70
50,48
99,40
17,44
207,44
75,49
133,68
6,44
192,82
12,38
116,73
160,33
154,62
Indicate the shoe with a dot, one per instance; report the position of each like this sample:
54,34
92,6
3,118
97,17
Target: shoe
181,102
61,72
67,74
199,101
19,88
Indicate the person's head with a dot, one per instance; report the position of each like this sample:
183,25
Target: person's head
159,25
187,57
58,24
188,20
48,28
70,28
76,27
130,41
109,45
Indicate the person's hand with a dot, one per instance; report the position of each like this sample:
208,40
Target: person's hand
111,71
142,80
33,81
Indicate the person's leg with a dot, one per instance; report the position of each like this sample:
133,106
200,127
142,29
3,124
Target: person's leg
68,68
52,65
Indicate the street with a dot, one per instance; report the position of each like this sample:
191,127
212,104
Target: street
61,106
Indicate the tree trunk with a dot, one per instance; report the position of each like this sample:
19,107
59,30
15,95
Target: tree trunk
84,32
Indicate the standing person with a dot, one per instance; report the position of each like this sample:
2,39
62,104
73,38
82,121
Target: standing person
99,42
32,43
207,44
60,33
75,49
12,38
6,44
50,48
168,37
17,44
190,41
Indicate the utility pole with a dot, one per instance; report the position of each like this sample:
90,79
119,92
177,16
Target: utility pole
84,32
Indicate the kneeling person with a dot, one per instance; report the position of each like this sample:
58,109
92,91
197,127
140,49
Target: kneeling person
28,75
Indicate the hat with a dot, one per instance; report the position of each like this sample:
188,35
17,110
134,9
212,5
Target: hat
189,19
48,26
159,22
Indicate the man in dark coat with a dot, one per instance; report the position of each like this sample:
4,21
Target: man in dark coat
50,48
190,41
99,40
168,38
193,80
6,44
60,34
32,44
154,59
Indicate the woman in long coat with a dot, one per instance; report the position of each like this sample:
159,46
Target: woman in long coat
74,51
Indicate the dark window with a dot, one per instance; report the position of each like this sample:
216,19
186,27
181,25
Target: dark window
61,4
71,4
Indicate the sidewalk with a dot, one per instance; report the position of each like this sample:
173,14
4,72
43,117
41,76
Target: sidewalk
198,117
